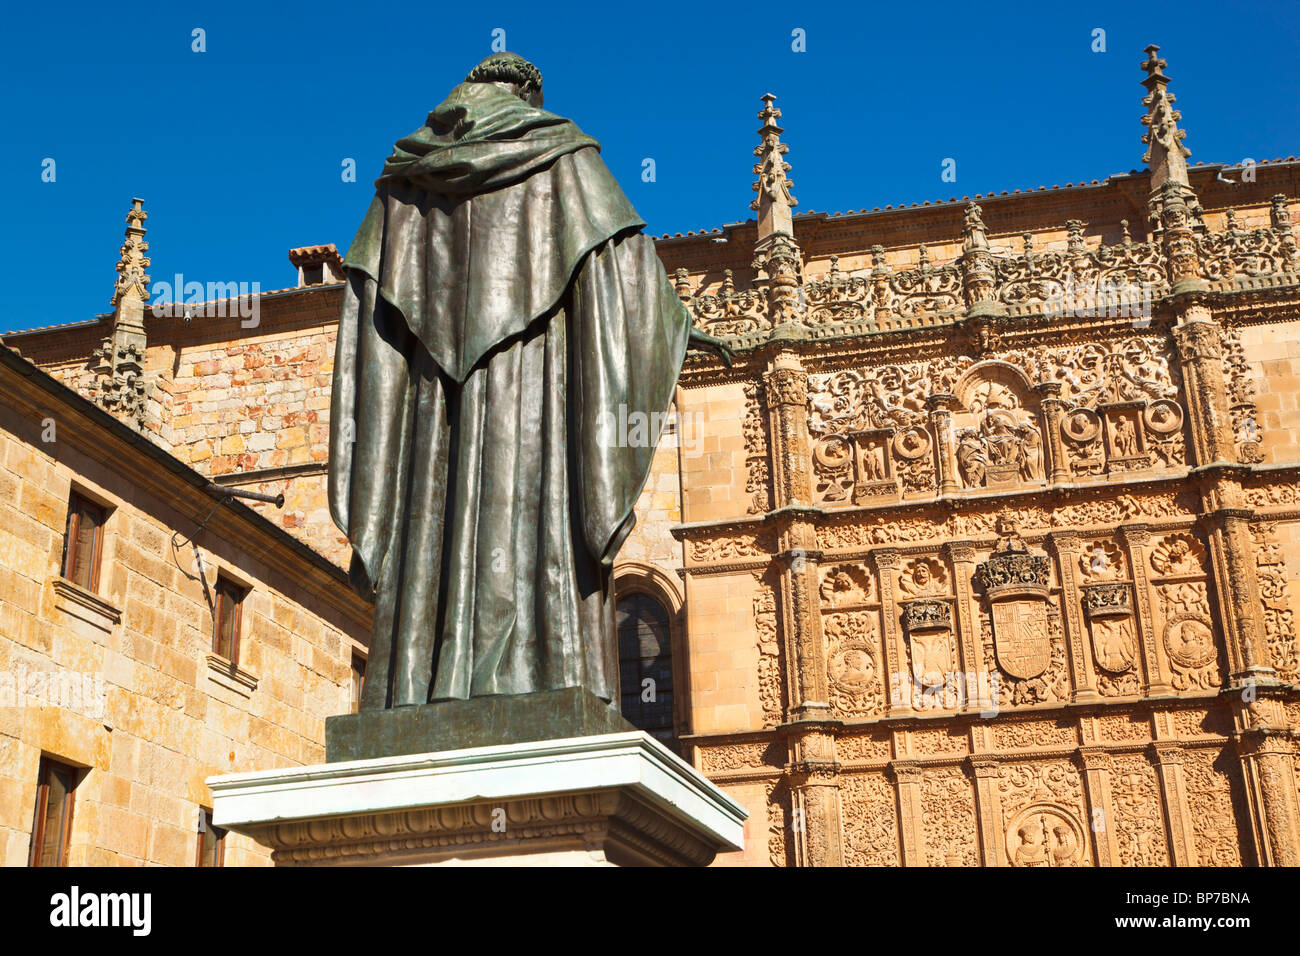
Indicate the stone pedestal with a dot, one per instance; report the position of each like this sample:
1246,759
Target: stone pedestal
618,799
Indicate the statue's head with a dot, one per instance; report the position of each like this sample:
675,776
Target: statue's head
510,72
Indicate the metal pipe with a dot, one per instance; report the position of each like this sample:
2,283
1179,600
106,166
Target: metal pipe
277,500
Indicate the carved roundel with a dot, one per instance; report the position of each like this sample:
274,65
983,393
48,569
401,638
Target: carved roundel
1081,424
852,668
912,442
1163,416
1045,834
832,452
1189,640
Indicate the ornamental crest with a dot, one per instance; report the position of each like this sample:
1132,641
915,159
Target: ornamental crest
1016,584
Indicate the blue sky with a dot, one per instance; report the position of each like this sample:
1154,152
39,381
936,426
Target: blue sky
238,150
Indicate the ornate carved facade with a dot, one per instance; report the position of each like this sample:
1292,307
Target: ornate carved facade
1018,538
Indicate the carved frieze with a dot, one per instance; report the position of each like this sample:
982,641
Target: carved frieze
870,820
771,691
754,428
1139,823
1214,802
948,811
1279,625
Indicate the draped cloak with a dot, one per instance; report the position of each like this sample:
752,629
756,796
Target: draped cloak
502,317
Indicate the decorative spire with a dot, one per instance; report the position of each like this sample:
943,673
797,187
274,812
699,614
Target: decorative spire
775,201
131,279
776,253
1166,155
119,360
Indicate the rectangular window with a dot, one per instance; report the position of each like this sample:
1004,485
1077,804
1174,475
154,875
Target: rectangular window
358,680
83,540
52,822
210,849
225,632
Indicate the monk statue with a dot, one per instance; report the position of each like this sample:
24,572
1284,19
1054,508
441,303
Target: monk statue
502,309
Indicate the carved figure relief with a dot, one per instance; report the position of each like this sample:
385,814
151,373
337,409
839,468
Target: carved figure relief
1188,635
1178,554
1102,561
923,577
1126,442
998,439
852,663
845,585
1044,834
1042,812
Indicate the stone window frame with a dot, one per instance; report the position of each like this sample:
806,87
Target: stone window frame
50,764
206,825
222,670
74,600
636,577
108,507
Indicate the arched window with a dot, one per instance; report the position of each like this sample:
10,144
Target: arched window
645,661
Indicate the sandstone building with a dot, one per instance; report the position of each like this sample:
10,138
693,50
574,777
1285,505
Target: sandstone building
982,553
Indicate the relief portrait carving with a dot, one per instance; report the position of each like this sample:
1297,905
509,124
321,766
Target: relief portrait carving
1044,834
1178,554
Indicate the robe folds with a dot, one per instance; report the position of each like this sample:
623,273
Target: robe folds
502,313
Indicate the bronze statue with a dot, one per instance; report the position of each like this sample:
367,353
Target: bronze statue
502,309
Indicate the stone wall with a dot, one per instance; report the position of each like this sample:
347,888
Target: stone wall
150,717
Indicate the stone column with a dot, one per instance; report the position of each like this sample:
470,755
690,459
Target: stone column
1168,758
786,386
1067,548
961,554
1155,660
815,796
1240,606
813,772
940,407
1049,400
1098,766
911,826
1200,352
899,679
1268,766
988,810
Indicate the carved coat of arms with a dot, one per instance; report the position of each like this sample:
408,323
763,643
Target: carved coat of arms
1016,584
1021,639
